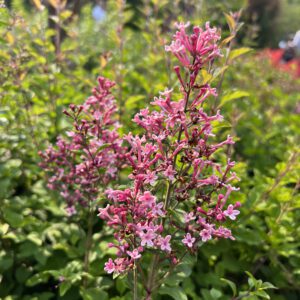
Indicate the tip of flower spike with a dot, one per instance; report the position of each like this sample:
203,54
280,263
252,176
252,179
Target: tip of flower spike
182,25
230,140
105,83
230,163
166,92
211,29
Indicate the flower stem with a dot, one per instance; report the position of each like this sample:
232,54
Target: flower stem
135,282
88,245
167,195
152,275
153,271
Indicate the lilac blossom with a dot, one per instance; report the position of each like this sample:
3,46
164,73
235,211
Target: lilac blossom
179,189
90,154
188,240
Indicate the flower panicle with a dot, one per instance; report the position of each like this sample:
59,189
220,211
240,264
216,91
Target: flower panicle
90,154
174,168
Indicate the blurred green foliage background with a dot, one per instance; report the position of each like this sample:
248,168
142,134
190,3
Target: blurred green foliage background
50,57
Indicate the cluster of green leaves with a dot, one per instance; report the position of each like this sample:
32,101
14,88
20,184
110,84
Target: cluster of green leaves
39,244
42,250
267,124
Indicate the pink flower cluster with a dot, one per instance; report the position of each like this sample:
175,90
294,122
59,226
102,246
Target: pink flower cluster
173,168
198,48
91,154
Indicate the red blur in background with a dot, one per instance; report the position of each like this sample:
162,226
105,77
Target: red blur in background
276,56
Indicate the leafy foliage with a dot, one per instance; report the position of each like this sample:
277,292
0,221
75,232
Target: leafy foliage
42,250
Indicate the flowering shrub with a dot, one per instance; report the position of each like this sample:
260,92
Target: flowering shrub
179,194
89,159
42,250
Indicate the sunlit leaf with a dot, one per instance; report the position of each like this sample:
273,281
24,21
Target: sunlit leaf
233,96
238,52
230,21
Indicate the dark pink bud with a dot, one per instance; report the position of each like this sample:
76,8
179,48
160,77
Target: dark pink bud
72,107
66,113
80,108
237,204
177,71
160,229
174,260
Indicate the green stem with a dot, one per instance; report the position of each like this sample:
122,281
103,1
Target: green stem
167,195
160,281
135,283
152,275
153,271
88,246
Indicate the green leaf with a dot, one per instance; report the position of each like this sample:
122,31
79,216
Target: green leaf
219,71
64,287
227,40
22,274
6,261
231,284
65,15
261,294
174,292
35,238
132,101
181,272
121,286
267,285
206,77
216,294
238,52
93,294
230,21
206,294
233,96
4,228
14,219
251,280
37,279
